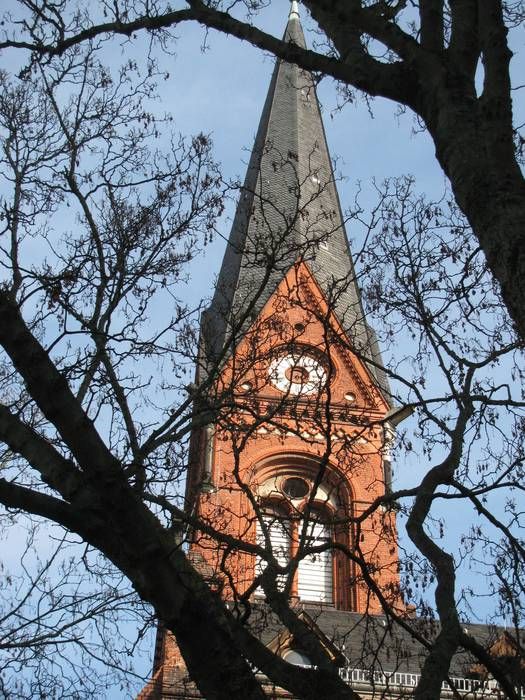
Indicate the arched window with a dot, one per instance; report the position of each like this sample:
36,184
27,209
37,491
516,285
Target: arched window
315,571
314,580
297,657
286,494
277,524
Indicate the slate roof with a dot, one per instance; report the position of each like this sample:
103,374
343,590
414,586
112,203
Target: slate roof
367,643
288,209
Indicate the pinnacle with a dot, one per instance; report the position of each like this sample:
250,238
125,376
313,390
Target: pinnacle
294,10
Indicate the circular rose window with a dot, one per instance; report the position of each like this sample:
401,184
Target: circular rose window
298,372
295,487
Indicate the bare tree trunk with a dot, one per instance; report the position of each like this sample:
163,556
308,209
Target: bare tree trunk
477,154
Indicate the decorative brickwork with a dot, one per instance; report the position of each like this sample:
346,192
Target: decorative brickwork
294,456
266,434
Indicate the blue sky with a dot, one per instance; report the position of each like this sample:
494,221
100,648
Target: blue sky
220,90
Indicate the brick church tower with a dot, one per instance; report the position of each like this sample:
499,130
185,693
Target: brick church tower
294,447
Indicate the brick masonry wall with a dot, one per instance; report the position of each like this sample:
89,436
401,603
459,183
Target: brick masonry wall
302,434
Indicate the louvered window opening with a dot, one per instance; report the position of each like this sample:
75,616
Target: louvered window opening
315,571
280,541
315,580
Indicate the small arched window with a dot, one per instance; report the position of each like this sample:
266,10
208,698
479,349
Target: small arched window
315,571
277,524
297,657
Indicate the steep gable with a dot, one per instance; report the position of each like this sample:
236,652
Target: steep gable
297,321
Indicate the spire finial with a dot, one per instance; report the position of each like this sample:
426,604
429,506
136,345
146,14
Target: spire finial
294,10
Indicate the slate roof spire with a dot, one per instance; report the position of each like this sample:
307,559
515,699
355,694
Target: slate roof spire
288,208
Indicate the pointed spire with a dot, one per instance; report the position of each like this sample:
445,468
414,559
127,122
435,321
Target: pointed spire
294,32
294,11
288,208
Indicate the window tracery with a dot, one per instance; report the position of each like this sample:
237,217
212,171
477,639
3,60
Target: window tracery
297,519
